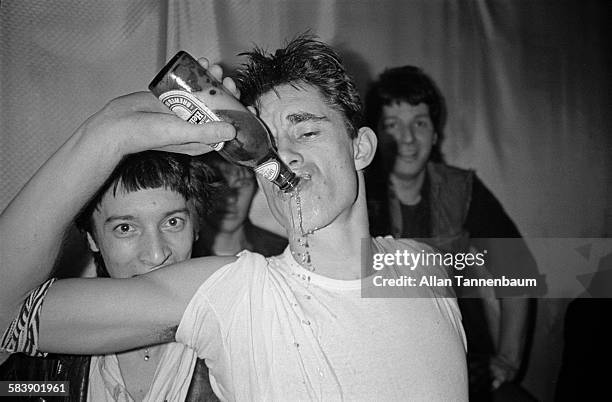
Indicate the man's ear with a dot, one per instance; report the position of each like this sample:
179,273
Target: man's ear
364,147
92,243
196,231
196,222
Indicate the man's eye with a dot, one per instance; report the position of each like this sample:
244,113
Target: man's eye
175,223
123,229
422,123
308,134
389,125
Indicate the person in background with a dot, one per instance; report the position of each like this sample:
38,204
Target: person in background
227,230
145,216
416,195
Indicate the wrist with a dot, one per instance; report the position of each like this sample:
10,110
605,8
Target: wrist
510,358
509,367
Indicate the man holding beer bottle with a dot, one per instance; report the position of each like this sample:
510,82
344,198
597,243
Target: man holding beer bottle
281,328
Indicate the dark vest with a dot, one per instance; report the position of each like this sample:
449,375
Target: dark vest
450,194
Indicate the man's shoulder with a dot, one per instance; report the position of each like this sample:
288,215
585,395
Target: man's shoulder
251,270
234,279
246,261
442,169
451,188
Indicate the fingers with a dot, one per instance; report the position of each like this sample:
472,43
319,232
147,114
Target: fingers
231,86
139,121
501,371
214,69
138,102
199,138
208,133
169,133
174,131
154,117
203,62
188,149
217,71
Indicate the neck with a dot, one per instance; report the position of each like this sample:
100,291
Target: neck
137,371
408,188
335,250
229,243
153,353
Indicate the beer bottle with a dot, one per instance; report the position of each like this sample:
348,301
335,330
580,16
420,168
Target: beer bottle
197,97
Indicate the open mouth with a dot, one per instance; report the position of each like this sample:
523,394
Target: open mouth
305,180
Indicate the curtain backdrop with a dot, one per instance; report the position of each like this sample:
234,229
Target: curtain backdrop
526,83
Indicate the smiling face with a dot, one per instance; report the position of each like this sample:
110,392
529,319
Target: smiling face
137,232
311,138
412,131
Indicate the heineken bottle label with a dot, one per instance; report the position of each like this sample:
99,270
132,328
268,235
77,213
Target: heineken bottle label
189,108
269,169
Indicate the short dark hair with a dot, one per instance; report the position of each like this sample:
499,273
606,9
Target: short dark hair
183,174
304,60
407,84
222,166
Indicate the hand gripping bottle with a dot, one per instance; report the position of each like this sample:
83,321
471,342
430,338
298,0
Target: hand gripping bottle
197,97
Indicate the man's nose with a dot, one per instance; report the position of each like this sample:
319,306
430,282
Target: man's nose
155,249
232,195
407,134
288,152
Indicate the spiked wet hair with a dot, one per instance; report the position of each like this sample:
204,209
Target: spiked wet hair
303,61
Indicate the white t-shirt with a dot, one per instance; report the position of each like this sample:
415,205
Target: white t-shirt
271,330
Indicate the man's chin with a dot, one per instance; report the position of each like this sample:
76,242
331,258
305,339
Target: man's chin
230,226
409,171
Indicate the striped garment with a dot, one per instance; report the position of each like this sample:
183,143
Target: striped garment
22,334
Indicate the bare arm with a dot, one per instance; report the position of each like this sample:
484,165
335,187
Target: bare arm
99,316
32,226
512,337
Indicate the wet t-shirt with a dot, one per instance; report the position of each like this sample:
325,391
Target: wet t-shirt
271,330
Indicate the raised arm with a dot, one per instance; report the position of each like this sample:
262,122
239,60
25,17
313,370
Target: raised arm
100,316
32,226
